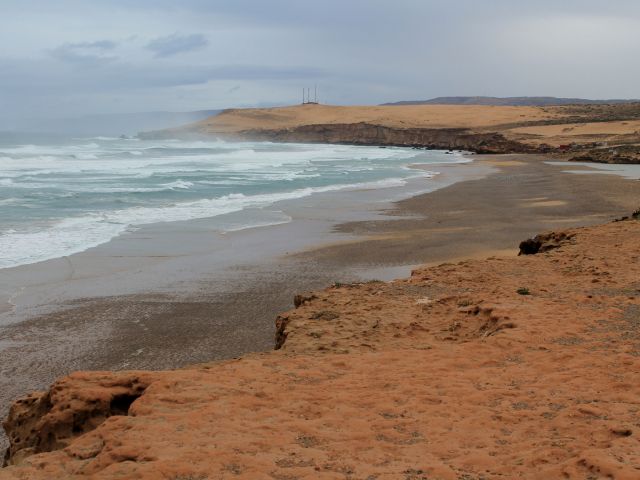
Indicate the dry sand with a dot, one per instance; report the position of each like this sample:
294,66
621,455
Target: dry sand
601,132
524,196
421,116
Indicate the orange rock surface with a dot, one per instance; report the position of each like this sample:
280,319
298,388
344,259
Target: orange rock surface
507,368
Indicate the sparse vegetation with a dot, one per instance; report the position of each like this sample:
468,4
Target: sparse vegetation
523,291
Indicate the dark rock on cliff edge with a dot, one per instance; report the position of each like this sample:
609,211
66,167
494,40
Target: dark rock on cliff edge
371,134
544,242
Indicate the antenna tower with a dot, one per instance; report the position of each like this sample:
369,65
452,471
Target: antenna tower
306,95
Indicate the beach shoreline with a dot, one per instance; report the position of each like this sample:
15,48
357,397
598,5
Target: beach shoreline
486,211
169,295
311,220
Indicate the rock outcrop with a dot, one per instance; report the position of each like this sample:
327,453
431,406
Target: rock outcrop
544,242
47,421
371,134
453,373
624,154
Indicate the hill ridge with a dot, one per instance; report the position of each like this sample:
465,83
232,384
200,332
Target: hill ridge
511,101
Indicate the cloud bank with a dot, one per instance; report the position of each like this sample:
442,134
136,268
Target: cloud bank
72,57
175,44
85,52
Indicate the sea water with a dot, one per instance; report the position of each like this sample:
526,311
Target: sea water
63,196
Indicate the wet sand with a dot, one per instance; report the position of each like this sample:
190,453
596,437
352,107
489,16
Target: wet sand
179,311
174,294
490,216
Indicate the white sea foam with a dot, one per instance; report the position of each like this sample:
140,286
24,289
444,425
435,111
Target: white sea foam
86,156
258,224
75,235
202,179
178,184
65,238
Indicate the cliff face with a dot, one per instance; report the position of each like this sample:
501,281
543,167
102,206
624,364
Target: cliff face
521,367
370,134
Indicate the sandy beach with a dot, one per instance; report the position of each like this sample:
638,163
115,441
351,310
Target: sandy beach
348,241
175,300
531,359
524,195
174,294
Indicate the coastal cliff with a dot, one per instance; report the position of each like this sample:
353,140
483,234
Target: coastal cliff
581,132
509,367
370,134
425,127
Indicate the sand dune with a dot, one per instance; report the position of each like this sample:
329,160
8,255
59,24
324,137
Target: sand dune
411,116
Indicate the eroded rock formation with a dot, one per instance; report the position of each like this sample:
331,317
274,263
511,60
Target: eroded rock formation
544,242
74,405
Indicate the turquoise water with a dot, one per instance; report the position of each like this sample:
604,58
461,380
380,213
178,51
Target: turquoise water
59,197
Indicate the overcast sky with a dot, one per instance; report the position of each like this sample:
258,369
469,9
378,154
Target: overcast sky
73,57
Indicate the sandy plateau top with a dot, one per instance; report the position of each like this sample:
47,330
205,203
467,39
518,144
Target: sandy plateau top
584,132
520,367
411,116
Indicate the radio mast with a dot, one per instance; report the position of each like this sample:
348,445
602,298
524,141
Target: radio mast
306,95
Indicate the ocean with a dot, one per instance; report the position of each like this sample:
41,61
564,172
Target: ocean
63,196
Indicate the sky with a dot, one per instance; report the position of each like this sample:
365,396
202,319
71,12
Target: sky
67,58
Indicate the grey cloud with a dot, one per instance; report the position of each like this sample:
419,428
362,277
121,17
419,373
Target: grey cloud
358,51
100,45
85,52
174,44
119,76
